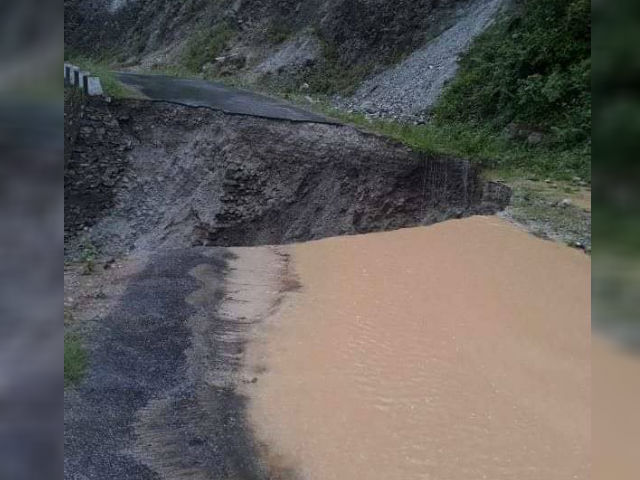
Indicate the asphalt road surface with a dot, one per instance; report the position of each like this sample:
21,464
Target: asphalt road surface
200,93
147,409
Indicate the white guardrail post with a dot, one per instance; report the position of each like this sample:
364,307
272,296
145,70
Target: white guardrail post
94,87
89,84
75,80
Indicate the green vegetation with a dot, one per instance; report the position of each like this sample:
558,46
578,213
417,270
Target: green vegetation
88,256
110,84
481,144
75,359
172,70
332,75
533,68
205,45
277,32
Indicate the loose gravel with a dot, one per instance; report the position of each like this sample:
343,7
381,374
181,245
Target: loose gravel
410,89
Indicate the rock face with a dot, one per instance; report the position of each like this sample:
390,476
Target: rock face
362,29
160,175
95,161
293,54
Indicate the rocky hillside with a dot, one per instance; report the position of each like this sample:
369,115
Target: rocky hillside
359,30
321,46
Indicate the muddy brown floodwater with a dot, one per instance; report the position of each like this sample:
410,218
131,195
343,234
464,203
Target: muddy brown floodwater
616,423
455,351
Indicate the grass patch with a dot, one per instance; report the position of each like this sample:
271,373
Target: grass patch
110,84
333,75
205,45
482,144
88,256
75,360
172,70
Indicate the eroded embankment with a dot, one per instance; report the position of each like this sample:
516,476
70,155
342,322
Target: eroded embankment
155,175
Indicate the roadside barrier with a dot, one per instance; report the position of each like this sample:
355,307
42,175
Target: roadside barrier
89,84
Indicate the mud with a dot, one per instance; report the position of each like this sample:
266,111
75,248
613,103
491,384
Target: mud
616,393
461,350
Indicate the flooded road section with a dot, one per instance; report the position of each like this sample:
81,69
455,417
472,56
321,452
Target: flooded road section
455,351
616,396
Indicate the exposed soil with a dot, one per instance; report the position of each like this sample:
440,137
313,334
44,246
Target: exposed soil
153,175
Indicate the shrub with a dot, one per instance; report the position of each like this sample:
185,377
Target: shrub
533,67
